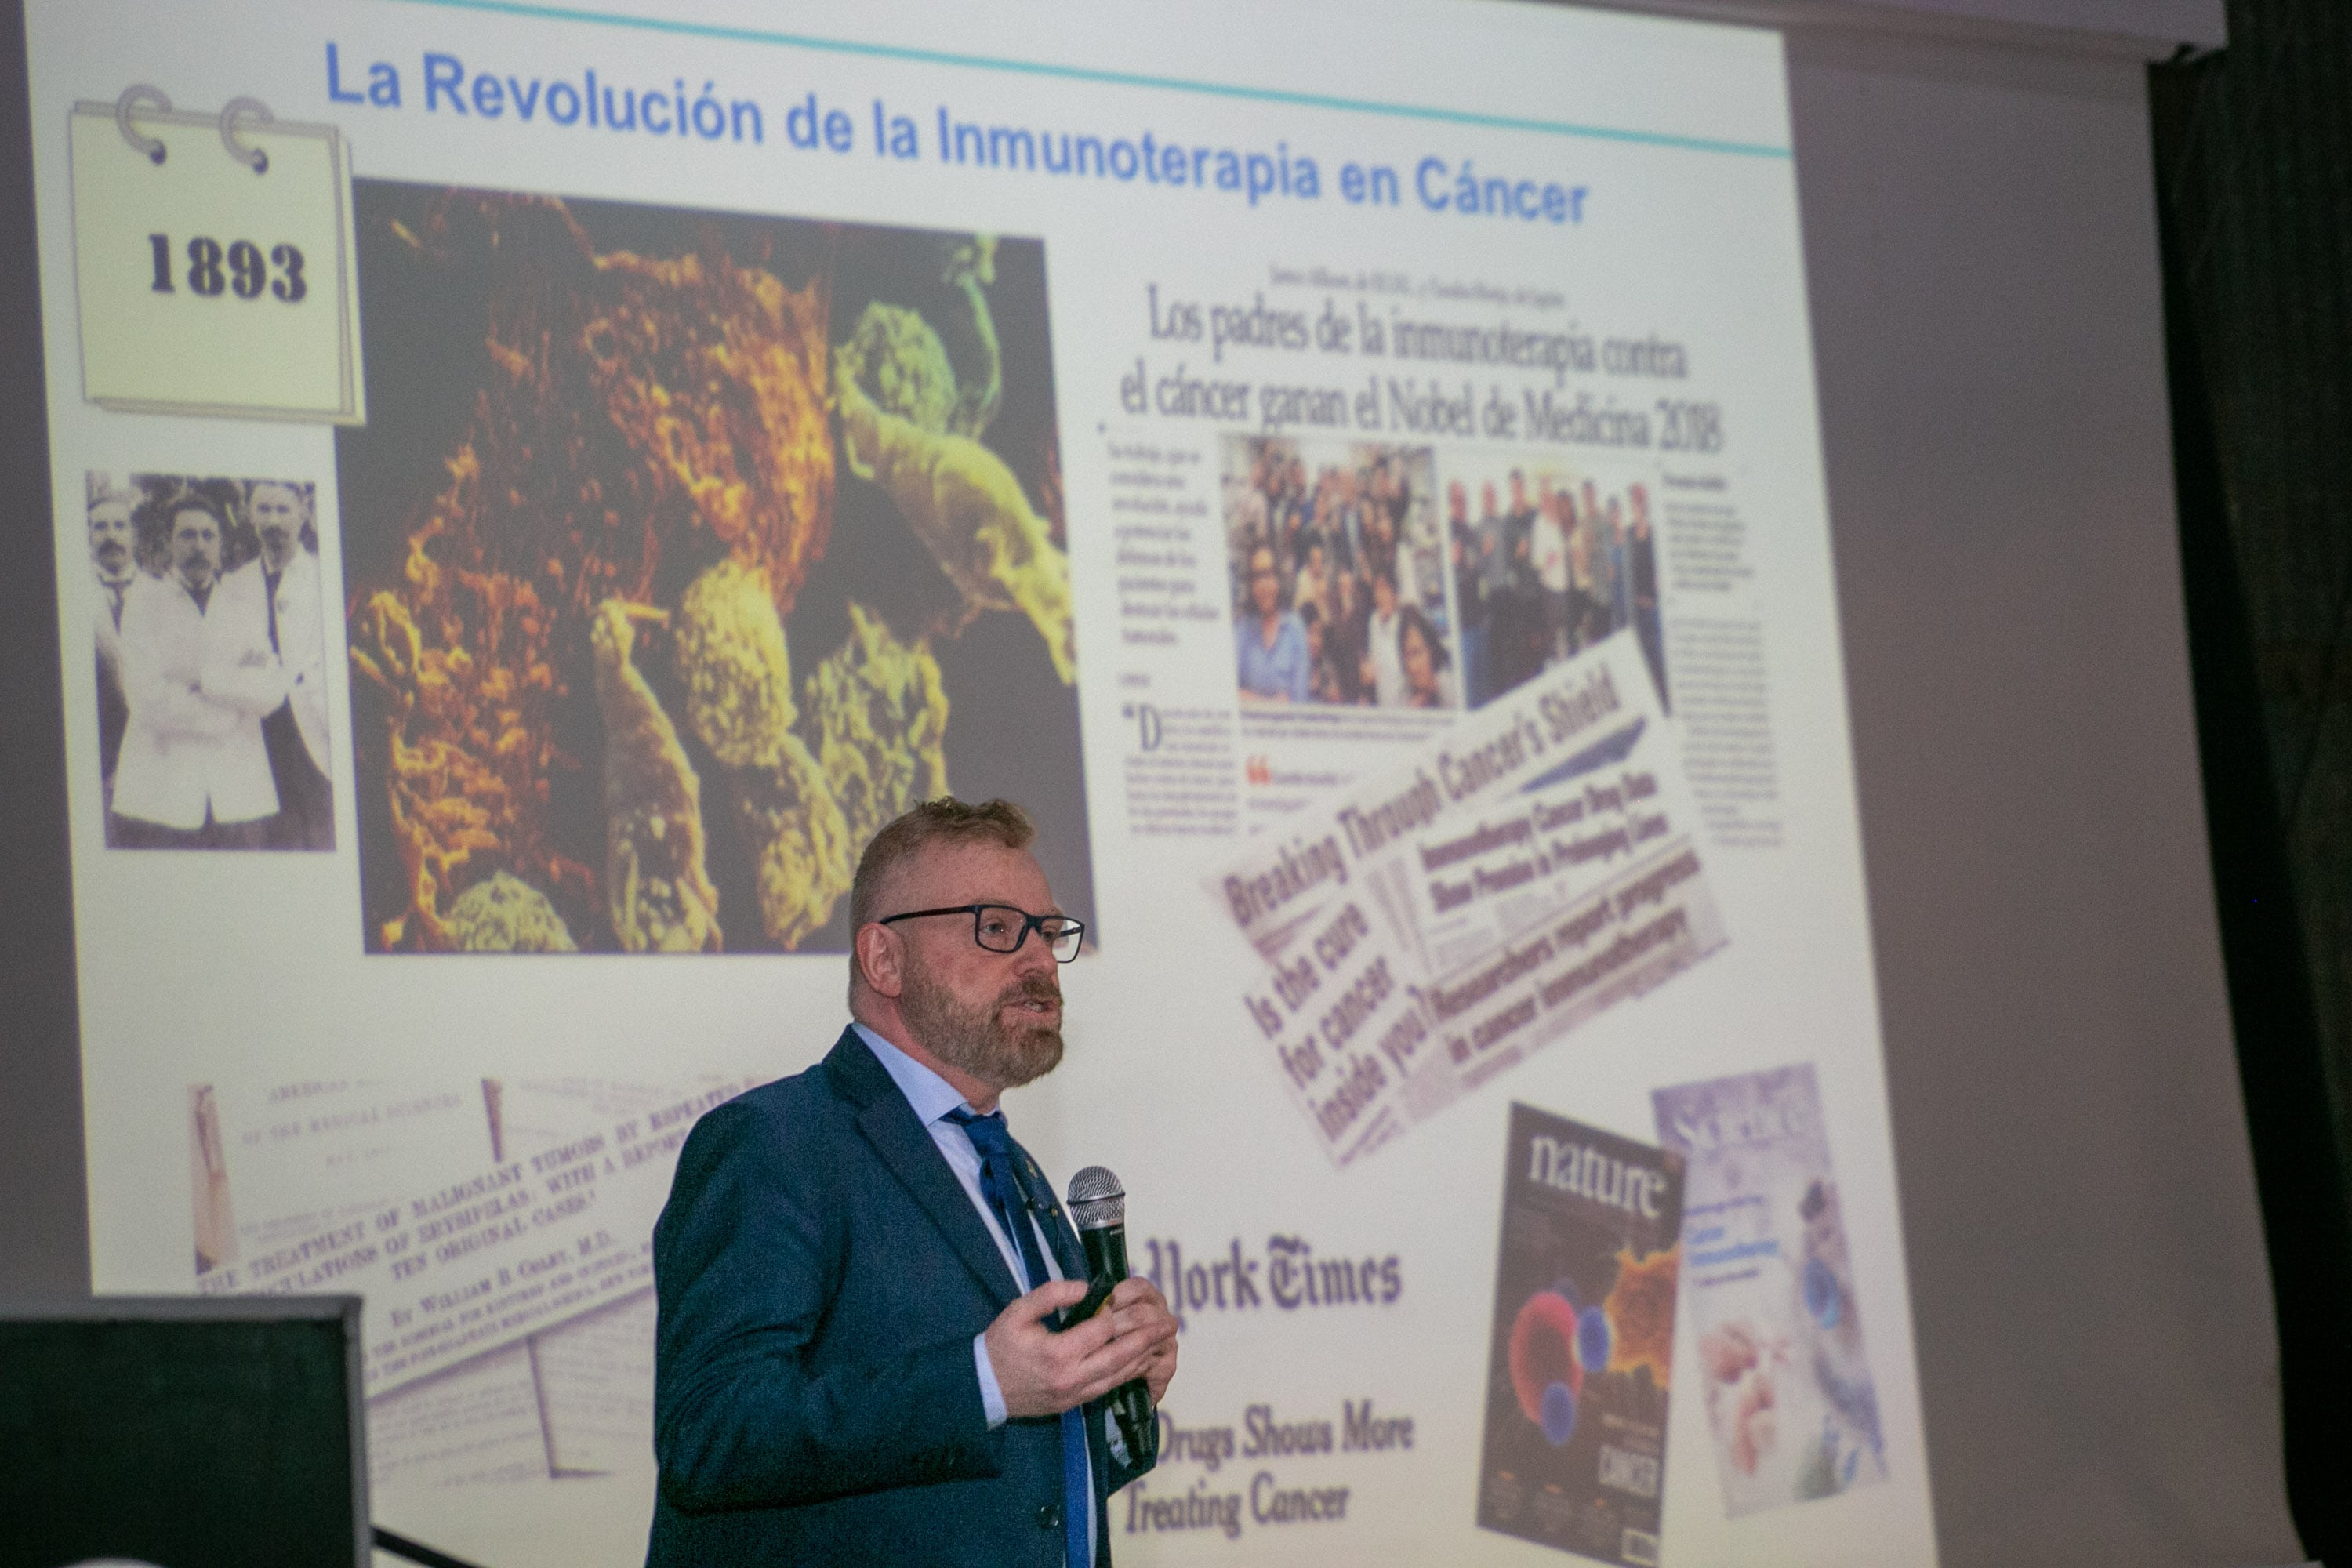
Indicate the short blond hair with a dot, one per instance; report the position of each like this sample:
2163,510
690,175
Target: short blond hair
915,830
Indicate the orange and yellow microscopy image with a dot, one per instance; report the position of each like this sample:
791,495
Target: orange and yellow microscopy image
684,549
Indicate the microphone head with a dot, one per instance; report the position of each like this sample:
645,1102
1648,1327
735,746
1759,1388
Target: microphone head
1096,1200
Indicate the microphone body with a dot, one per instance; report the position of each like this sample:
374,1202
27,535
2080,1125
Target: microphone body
1099,1208
1106,1252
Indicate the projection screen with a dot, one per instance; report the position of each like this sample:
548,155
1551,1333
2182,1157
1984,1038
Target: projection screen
535,487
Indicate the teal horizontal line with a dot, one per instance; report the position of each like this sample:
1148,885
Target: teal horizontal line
1108,77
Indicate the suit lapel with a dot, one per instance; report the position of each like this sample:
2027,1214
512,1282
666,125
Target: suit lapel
888,1123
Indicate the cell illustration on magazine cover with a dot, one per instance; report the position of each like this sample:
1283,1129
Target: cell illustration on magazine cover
688,548
1583,1354
1790,1397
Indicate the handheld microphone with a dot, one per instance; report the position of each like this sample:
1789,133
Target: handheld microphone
1099,1208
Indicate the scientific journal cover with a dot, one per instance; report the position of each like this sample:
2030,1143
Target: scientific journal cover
1583,1340
1788,1390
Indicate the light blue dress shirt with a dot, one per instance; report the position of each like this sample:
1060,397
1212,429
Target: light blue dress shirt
932,1097
1282,670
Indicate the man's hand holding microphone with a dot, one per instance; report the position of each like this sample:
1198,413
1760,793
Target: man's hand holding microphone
1127,1348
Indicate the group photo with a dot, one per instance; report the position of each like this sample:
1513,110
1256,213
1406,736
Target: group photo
1339,588
1552,562
211,701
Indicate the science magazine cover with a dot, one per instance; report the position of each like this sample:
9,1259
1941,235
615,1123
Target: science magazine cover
1788,1386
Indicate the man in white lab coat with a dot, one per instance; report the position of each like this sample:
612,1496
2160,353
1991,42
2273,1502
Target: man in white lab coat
113,562
283,583
198,673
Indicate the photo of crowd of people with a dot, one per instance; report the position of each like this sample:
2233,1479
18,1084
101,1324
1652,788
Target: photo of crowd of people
1339,579
1548,566
212,696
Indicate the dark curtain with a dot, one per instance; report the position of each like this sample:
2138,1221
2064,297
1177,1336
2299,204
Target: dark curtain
2254,159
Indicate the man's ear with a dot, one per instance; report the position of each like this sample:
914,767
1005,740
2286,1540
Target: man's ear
878,959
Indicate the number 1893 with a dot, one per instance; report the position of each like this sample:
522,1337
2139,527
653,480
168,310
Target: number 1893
239,267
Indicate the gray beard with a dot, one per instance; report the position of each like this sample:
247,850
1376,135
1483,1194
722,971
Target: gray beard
977,1040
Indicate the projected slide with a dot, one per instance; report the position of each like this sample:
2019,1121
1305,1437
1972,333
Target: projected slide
536,488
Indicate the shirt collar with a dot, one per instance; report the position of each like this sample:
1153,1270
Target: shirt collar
931,1096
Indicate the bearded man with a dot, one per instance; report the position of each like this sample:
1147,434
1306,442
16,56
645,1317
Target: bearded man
114,561
860,1275
280,589
193,774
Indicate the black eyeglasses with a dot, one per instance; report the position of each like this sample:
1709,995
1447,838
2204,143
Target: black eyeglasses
1000,928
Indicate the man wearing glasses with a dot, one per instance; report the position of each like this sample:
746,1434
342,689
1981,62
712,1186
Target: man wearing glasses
861,1274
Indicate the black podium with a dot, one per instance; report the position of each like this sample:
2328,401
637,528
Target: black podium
185,1432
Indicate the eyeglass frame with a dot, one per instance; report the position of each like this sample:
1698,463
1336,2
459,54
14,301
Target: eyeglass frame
1029,922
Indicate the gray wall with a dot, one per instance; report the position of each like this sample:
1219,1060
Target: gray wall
2167,22
2091,1301
44,1228
2133,29
2197,22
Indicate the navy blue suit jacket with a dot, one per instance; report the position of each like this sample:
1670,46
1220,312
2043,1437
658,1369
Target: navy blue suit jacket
821,1274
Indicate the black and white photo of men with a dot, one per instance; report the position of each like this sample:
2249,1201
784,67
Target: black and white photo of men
113,562
217,648
286,581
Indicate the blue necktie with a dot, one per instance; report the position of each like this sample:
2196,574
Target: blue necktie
1001,1186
